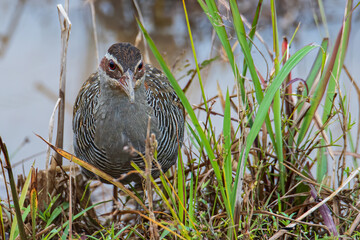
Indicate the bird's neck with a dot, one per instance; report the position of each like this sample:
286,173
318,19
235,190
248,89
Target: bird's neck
113,93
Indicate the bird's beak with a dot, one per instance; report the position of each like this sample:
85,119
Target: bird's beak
128,84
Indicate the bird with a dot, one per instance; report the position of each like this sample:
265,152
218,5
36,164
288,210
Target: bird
111,116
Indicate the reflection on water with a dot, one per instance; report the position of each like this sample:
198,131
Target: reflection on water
30,55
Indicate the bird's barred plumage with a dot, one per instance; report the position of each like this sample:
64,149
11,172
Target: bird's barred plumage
162,104
169,112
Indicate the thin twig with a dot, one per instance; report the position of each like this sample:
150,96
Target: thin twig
313,209
247,23
320,126
357,89
44,231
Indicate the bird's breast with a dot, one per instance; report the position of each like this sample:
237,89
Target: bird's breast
121,128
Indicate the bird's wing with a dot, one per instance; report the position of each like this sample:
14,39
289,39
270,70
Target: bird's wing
169,112
85,106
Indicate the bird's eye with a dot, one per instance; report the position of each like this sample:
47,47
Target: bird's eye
140,66
112,65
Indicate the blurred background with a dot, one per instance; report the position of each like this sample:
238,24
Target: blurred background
30,47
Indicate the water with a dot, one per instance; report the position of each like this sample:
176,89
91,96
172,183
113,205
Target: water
30,63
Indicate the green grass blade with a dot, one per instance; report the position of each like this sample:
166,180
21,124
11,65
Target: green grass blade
270,93
189,110
241,35
277,101
332,67
336,70
14,226
322,167
198,69
192,197
214,17
177,220
250,42
181,187
227,145
195,57
317,66
56,212
252,32
323,17
56,231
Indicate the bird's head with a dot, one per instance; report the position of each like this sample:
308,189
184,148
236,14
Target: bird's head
123,68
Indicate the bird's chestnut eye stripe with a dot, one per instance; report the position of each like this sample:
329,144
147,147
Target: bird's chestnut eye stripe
112,65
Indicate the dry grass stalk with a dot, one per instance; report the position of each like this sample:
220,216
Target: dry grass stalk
353,226
91,2
47,159
98,172
149,150
70,201
138,37
65,25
